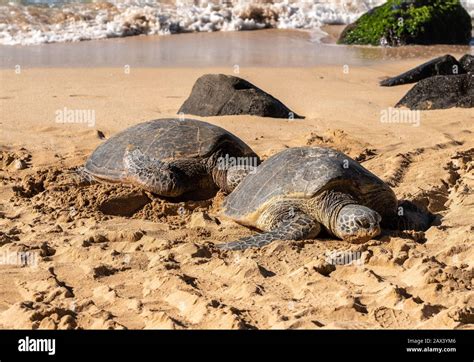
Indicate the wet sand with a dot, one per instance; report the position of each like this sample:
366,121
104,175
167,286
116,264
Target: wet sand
264,48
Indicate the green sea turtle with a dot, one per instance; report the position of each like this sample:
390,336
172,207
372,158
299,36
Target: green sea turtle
296,192
173,157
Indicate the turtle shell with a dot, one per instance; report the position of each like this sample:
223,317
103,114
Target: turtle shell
163,139
302,173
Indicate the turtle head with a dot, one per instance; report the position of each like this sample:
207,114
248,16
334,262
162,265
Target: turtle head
357,223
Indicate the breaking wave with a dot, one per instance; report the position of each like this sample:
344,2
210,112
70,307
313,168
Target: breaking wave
48,21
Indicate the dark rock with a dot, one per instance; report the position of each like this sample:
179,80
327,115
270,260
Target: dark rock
467,62
445,65
124,205
219,94
441,92
401,22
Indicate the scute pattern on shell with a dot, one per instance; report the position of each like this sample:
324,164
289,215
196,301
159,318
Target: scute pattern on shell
162,139
297,173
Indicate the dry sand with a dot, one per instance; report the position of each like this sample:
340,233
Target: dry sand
158,268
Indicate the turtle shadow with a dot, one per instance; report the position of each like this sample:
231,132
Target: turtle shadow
197,195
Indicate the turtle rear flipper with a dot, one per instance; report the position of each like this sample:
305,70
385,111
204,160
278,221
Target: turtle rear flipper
299,226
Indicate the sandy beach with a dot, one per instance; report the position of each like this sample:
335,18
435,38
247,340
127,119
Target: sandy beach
85,267
159,269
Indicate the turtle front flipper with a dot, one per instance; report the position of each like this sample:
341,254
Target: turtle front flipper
295,226
162,178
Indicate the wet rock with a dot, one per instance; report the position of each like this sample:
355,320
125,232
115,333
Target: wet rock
441,92
401,22
445,65
219,94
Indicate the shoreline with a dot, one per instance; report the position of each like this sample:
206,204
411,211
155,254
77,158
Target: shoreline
260,48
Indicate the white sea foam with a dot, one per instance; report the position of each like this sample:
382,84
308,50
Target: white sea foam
469,5
33,24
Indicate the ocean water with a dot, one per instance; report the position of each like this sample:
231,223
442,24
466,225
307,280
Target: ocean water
32,22
230,51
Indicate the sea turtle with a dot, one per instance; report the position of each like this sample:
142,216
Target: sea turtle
299,190
173,157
